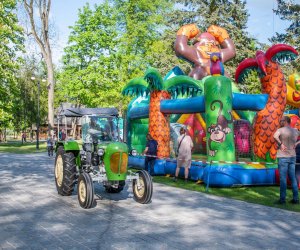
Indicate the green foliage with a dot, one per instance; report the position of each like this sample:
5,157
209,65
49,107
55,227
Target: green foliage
90,73
11,40
26,95
140,24
93,36
11,43
106,49
251,83
289,11
5,118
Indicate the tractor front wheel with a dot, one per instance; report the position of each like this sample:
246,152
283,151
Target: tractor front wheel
85,190
143,187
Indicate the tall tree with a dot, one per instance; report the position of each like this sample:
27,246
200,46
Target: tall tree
92,36
108,46
39,26
27,93
161,53
140,27
90,73
11,42
289,10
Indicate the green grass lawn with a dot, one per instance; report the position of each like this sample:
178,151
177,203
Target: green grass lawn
264,195
19,148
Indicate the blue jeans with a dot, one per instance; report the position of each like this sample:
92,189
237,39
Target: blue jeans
286,166
149,164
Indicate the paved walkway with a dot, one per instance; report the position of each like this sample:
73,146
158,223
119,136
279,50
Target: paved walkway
33,216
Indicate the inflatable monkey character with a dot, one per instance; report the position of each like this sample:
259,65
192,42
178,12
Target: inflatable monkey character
219,130
215,40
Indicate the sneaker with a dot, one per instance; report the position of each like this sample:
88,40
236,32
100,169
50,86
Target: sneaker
280,202
294,201
175,179
185,180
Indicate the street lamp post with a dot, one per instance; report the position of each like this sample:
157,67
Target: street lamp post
38,119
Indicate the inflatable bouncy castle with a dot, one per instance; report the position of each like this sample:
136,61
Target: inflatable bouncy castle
232,132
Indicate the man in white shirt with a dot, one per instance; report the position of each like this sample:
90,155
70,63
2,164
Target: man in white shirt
184,151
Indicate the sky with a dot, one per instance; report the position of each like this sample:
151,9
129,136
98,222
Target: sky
262,22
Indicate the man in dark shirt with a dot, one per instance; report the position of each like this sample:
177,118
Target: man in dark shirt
151,153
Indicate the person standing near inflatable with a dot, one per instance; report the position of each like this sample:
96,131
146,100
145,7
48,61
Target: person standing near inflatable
151,154
215,40
184,153
286,137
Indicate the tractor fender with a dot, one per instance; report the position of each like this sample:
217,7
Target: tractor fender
68,145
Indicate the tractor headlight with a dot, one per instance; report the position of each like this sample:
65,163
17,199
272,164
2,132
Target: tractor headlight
100,151
133,152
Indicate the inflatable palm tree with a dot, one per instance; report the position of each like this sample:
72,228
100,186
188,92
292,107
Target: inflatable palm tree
152,83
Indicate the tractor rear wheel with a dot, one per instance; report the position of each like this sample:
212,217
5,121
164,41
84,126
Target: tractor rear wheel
65,172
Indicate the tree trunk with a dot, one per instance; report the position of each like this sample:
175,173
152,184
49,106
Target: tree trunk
51,84
43,41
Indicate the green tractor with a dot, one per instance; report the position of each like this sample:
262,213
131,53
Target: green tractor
102,157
